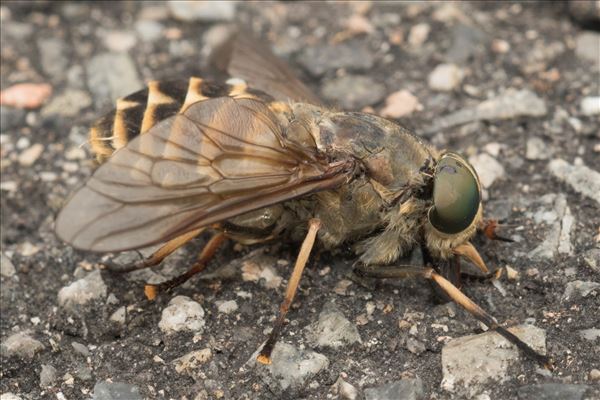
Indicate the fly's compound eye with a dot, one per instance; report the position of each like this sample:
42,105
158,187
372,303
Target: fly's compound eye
456,195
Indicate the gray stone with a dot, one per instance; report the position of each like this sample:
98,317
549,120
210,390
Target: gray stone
414,345
322,58
332,329
405,389
11,118
508,105
53,56
9,396
592,259
587,47
488,169
552,391
47,376
81,349
182,314
203,10
67,104
557,239
590,105
578,289
346,390
445,77
582,179
83,291
353,92
17,30
292,367
466,40
536,149
116,391
29,156
119,40
227,307
471,362
21,345
591,334
7,268
148,30
110,76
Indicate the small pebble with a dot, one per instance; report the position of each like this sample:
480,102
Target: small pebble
26,95
227,307
418,34
445,77
590,105
7,268
400,104
48,376
22,345
182,314
28,157
595,375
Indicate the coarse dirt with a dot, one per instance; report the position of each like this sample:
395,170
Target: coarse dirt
140,354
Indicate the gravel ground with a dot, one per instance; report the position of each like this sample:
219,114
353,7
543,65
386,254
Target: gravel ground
513,86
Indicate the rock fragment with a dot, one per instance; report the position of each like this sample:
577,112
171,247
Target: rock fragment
508,105
227,307
292,367
591,334
488,169
48,375
68,104
552,391
53,57
192,360
536,149
587,47
590,105
110,76
418,34
317,60
353,92
332,329
582,179
21,345
116,391
579,289
470,362
405,389
25,95
182,314
203,10
400,104
445,77
7,268
555,213
83,291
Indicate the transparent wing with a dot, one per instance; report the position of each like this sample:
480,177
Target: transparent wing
243,56
220,158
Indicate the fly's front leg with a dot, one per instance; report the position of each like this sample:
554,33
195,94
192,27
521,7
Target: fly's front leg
458,297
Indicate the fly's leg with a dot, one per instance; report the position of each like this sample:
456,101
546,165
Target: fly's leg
458,297
488,227
264,357
156,257
207,253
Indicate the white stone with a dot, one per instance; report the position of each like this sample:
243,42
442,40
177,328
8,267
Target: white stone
227,307
29,156
418,34
83,291
590,105
7,268
21,344
488,169
445,77
581,178
182,314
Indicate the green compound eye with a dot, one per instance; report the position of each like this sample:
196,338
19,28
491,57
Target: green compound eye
456,195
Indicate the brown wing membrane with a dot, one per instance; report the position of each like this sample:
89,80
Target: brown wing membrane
220,158
244,57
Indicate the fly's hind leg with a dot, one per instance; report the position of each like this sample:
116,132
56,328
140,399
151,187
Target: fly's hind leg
264,356
205,256
158,256
458,297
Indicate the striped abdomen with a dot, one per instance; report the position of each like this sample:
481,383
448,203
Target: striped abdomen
138,112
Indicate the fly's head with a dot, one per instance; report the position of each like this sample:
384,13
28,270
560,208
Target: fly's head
455,212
